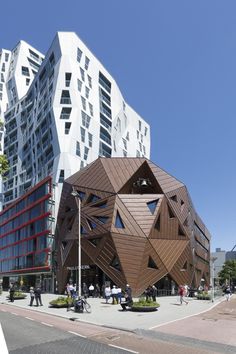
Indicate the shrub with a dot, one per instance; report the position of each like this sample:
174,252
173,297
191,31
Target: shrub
142,302
61,301
18,295
203,296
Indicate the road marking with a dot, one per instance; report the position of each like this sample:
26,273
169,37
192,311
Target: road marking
77,334
3,345
13,313
29,318
128,350
47,324
3,310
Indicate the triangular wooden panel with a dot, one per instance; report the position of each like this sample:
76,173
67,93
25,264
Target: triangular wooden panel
65,251
130,250
97,177
92,250
167,182
179,274
146,275
169,251
138,209
131,226
120,170
181,207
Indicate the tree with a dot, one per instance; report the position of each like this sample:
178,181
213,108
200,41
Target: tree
228,273
4,165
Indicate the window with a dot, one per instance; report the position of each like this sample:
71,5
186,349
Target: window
102,219
82,74
118,222
61,176
105,97
144,150
91,109
90,81
145,131
105,122
86,151
65,97
137,134
86,65
124,153
90,139
27,82
79,54
83,100
25,71
67,79
137,153
104,82
6,56
105,110
125,143
87,92
93,198
85,119
152,205
140,147
3,67
127,136
151,263
67,127
79,85
82,133
2,78
115,263
65,113
139,125
105,136
77,148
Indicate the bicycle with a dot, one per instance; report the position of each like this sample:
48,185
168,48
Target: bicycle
80,304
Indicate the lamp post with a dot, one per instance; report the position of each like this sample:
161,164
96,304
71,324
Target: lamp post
76,195
213,259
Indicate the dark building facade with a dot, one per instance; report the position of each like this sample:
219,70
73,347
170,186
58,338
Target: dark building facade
26,238
138,226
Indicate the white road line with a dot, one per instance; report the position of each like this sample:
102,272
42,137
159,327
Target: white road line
128,350
13,313
29,318
3,310
77,334
47,324
3,345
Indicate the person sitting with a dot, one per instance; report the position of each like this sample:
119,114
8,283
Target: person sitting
79,304
127,303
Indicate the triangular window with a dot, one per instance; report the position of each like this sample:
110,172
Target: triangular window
81,194
185,222
67,209
180,231
182,205
152,205
91,224
115,263
82,230
158,223
94,241
100,205
151,263
102,219
64,243
119,223
171,214
93,198
174,198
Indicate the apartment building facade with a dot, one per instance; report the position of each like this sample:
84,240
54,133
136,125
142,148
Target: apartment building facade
60,113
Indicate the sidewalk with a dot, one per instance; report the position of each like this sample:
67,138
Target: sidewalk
112,316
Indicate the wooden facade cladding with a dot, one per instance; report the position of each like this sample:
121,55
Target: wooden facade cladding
138,225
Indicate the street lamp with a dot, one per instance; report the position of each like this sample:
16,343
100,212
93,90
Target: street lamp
213,259
76,195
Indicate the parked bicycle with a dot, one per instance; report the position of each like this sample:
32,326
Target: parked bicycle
80,304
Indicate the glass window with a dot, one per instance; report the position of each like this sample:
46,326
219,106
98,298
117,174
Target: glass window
67,79
65,97
77,148
104,82
90,81
91,109
61,176
82,74
79,85
86,151
90,139
25,71
67,127
83,100
118,222
79,54
139,125
65,113
86,65
82,133
87,92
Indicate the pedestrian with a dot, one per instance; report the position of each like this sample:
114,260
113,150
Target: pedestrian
11,292
37,294
149,292
114,295
85,290
107,293
31,296
97,291
181,294
71,290
119,295
91,290
128,298
154,293
228,293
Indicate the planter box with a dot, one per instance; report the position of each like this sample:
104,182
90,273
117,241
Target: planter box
144,308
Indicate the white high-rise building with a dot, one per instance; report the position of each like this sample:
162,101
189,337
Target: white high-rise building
61,112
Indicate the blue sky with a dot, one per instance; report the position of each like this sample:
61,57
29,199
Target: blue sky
175,63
